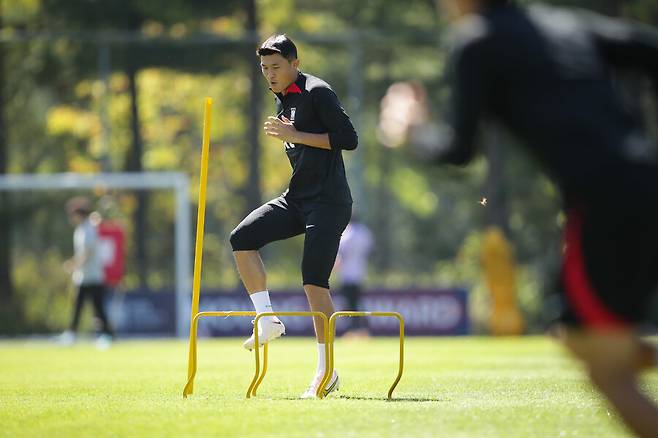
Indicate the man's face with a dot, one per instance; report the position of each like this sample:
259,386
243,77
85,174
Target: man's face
278,71
75,218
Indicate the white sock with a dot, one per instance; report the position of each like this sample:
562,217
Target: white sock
321,357
261,302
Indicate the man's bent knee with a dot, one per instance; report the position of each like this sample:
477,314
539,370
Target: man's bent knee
317,283
240,241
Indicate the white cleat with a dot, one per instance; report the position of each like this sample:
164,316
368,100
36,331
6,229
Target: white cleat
66,339
104,342
268,330
333,385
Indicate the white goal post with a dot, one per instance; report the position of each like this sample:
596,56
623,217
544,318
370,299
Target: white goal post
176,181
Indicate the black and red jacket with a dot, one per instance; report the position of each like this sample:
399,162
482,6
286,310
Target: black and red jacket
318,175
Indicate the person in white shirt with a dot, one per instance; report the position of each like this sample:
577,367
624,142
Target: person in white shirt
86,269
352,263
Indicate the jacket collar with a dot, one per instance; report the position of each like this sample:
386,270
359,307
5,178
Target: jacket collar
294,88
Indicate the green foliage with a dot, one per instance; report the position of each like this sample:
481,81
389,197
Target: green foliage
130,14
642,10
49,304
63,117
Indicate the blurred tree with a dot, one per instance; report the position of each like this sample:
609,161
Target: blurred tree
253,182
643,10
82,15
6,285
134,163
164,59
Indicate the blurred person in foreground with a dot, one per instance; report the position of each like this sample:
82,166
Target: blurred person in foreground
545,74
352,264
86,270
314,129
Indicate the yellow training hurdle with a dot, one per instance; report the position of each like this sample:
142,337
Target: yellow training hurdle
192,360
256,381
329,328
332,333
258,374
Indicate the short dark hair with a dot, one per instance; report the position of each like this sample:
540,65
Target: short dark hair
78,205
278,44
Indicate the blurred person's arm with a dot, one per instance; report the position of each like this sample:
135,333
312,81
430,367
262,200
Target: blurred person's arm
454,142
459,143
77,261
626,45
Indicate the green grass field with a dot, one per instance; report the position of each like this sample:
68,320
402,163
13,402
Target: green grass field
451,387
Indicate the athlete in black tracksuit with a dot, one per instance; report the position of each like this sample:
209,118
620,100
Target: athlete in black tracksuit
314,130
545,74
318,202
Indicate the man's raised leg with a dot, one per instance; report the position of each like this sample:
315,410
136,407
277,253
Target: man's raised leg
252,272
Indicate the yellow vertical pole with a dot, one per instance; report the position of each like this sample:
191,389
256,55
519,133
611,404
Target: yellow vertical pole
200,222
500,275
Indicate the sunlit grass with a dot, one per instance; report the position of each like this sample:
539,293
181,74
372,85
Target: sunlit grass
451,387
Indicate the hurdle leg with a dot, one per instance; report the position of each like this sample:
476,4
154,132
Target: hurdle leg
252,385
191,371
329,350
262,374
401,361
327,372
